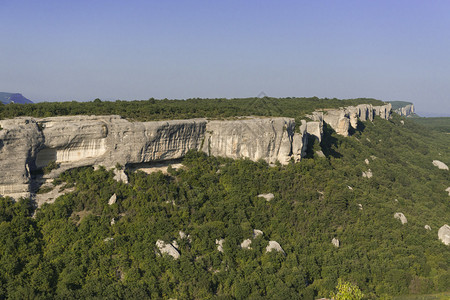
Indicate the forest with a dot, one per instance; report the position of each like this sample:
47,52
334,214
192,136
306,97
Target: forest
152,109
82,247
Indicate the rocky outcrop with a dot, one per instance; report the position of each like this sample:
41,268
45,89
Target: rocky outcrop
444,234
29,144
367,174
219,244
400,216
167,248
427,227
440,165
273,245
406,110
448,190
113,199
246,244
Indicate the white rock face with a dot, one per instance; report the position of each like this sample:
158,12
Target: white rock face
273,245
268,196
427,227
448,190
219,244
246,244
167,248
270,139
440,165
367,174
444,234
401,217
335,242
257,232
112,200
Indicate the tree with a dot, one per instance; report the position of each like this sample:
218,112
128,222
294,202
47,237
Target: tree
347,291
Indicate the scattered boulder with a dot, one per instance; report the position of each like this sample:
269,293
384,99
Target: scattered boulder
112,200
444,234
440,165
349,187
367,174
167,248
335,242
373,157
448,190
268,196
120,176
360,206
175,244
366,161
273,245
246,244
257,232
220,244
403,122
401,217
427,227
108,239
113,221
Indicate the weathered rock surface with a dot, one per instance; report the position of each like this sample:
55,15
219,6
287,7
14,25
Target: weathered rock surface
444,234
440,164
273,245
401,217
167,248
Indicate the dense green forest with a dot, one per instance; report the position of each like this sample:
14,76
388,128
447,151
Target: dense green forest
441,124
70,249
152,109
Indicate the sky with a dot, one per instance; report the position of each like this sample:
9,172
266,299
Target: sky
82,50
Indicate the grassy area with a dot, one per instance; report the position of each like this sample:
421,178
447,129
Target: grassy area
440,296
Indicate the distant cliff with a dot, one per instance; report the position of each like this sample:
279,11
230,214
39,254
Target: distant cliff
30,144
7,98
403,108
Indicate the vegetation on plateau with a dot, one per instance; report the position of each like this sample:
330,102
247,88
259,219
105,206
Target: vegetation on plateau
152,109
70,249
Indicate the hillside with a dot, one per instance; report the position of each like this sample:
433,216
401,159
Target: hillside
17,98
82,247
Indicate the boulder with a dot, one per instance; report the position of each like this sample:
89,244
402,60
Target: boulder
219,244
440,165
444,234
366,161
257,232
113,199
335,242
246,244
120,176
268,196
427,227
367,174
273,245
401,217
167,248
448,190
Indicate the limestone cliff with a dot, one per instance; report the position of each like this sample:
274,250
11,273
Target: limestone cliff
28,144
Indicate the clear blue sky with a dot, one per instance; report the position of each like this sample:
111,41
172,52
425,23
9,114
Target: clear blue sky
81,50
